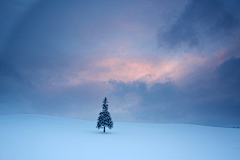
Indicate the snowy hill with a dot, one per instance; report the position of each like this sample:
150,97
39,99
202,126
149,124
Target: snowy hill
40,137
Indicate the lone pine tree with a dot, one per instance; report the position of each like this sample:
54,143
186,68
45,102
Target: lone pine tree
104,119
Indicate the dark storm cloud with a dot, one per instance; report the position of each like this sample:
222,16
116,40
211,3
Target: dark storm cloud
201,22
213,101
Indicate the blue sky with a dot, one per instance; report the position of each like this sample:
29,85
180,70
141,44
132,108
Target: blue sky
155,60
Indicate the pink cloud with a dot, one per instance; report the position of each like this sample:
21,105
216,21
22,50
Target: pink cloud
131,69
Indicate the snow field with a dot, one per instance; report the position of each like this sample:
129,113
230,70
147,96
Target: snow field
41,137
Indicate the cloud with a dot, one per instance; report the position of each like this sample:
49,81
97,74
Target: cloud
202,22
229,74
126,69
211,99
11,12
13,88
11,78
64,57
53,46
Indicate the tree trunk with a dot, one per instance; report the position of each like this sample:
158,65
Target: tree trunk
104,129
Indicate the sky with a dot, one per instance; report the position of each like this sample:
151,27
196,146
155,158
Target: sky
157,61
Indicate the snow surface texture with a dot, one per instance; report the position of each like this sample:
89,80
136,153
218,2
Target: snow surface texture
40,137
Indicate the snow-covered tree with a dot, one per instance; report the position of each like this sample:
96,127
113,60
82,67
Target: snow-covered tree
104,119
